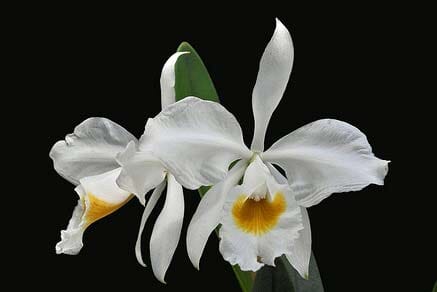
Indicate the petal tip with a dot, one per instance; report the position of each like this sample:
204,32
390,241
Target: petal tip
196,264
280,25
62,249
71,240
193,259
382,171
161,278
142,200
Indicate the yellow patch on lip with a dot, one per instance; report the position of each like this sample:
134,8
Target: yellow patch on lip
97,208
258,217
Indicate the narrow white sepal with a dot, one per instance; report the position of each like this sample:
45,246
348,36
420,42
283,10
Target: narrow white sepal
168,95
208,213
300,254
147,210
274,72
167,229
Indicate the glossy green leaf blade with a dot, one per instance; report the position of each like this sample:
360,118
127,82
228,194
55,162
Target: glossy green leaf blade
192,79
245,279
284,277
273,279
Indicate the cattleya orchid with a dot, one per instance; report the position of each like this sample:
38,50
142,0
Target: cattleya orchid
86,158
265,216
91,158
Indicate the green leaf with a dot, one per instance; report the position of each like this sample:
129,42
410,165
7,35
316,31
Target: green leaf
192,79
202,190
245,279
284,277
435,287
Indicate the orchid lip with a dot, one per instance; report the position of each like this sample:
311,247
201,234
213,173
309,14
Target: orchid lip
257,215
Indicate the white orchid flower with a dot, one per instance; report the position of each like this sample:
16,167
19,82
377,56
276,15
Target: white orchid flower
265,216
86,158
91,157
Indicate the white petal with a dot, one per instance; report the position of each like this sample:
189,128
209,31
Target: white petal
141,171
300,253
90,150
99,196
262,234
274,72
167,229
196,140
167,81
147,210
325,157
208,213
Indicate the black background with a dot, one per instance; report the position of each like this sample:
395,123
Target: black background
359,64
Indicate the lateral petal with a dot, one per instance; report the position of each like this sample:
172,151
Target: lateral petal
196,140
325,157
90,150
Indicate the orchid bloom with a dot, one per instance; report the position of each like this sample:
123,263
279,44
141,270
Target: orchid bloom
86,158
265,216
91,158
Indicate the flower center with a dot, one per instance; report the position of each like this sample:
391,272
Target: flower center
96,208
258,216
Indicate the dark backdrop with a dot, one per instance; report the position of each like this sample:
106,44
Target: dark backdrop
353,63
